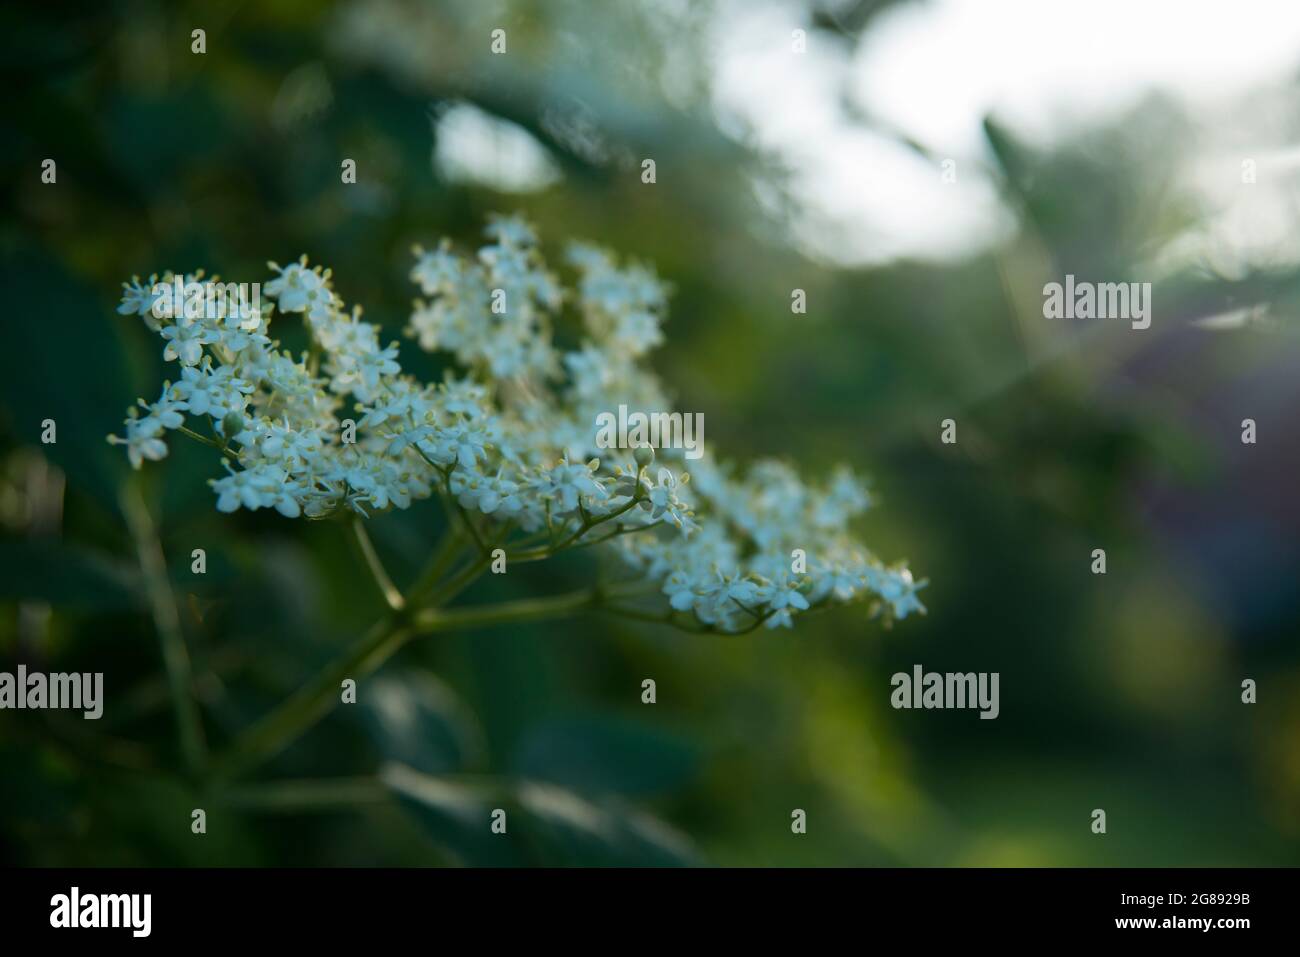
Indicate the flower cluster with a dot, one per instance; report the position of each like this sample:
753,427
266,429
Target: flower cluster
509,441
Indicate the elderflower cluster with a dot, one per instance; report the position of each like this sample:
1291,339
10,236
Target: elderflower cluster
510,441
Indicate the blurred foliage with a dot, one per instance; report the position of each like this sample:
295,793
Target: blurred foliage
1120,692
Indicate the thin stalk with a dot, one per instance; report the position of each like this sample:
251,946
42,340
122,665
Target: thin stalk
301,711
167,622
588,523
444,554
449,502
526,609
322,794
458,582
624,530
219,446
313,701
385,584
197,437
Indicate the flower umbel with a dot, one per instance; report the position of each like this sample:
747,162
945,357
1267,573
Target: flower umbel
508,441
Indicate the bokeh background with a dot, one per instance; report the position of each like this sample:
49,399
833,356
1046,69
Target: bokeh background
1118,142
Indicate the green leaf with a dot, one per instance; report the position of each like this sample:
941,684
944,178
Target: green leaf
68,577
62,360
602,754
419,721
564,829
545,824
456,815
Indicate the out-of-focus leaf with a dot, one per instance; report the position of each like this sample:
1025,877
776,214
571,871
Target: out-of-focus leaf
565,829
417,720
62,360
544,824
149,816
457,816
601,754
65,576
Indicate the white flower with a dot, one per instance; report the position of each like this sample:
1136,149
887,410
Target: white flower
680,591
185,341
208,391
458,444
784,595
375,364
167,411
142,440
291,448
639,331
842,581
590,370
511,231
488,494
899,590
511,430
297,288
377,484
734,587
845,498
138,299
436,271
567,485
664,505
262,486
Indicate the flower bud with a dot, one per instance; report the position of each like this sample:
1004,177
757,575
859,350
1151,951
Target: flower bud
232,424
644,455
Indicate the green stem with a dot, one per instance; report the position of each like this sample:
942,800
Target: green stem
588,523
458,582
307,706
526,609
386,587
658,617
449,502
325,794
219,446
311,703
186,430
622,530
444,554
167,622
